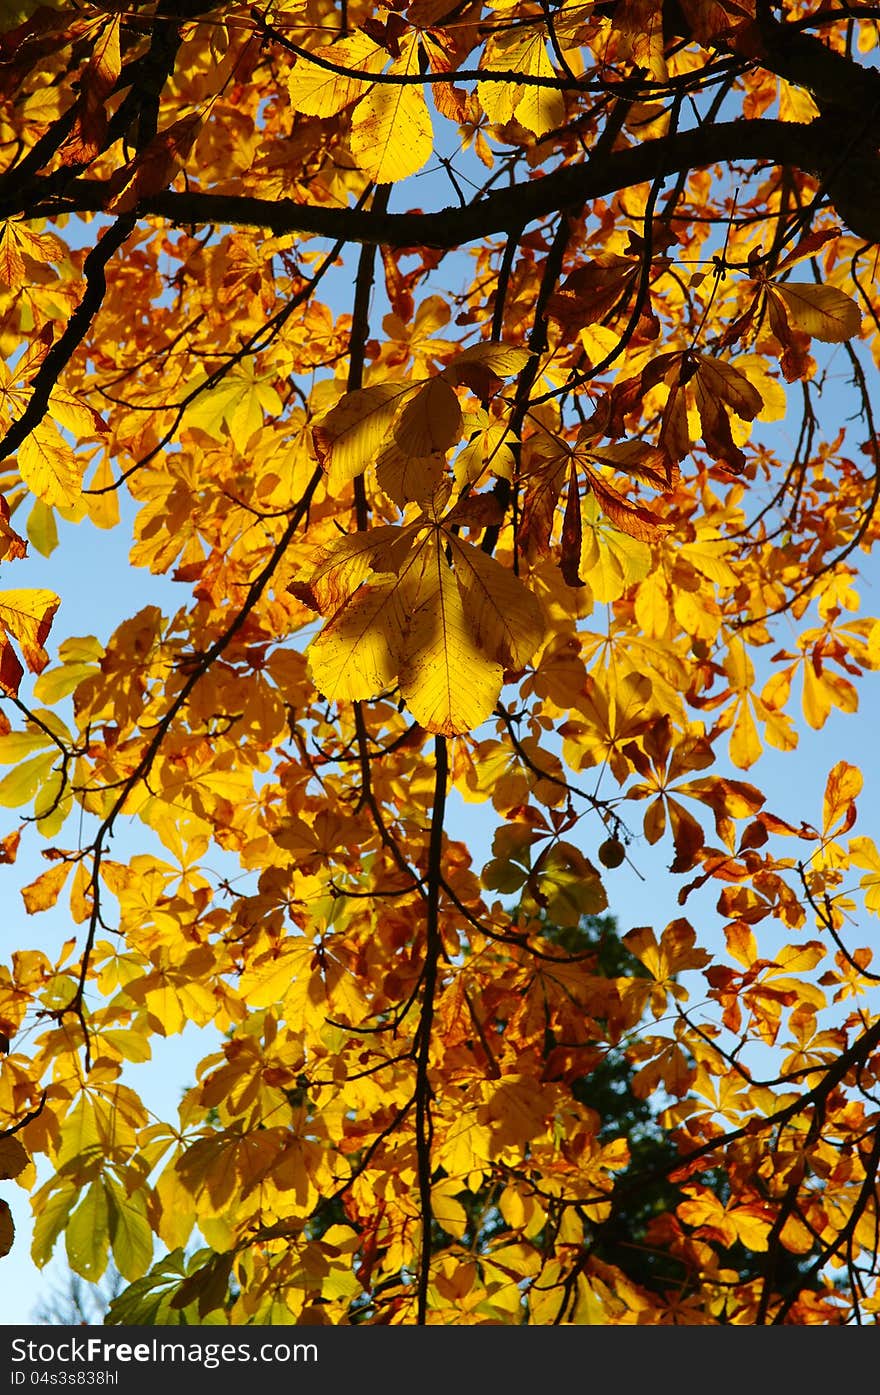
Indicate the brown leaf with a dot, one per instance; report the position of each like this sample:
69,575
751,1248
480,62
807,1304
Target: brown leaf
13,1157
572,532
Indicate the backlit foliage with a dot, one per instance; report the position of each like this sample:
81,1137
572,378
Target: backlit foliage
495,381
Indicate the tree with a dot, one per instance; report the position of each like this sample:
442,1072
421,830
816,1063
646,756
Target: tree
73,1302
628,1242
487,498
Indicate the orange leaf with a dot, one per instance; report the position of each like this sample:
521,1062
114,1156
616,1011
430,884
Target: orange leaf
42,893
28,615
154,168
843,785
823,312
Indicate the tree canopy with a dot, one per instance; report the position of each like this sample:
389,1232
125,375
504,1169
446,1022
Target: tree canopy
496,382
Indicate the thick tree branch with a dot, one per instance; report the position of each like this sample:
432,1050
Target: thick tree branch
814,148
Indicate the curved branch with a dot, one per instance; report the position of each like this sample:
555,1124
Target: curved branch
814,148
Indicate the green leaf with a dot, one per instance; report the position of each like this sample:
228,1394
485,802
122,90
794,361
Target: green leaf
570,886
88,1234
131,1235
147,1302
42,530
209,1285
503,876
57,683
50,1217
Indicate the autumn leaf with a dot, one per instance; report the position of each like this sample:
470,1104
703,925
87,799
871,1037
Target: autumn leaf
446,630
239,400
430,421
459,394
88,135
539,108
154,167
318,91
28,616
391,133
7,1229
13,1157
49,467
823,312
43,893
447,679
348,438
359,651
842,787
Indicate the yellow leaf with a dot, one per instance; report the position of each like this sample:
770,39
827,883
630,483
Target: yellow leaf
42,893
446,1210
267,981
816,701
449,684
49,467
796,1237
505,616
652,605
707,557
409,478
391,134
431,420
349,437
518,1106
540,109
772,392
106,61
11,261
570,886
81,896
42,530
239,399
102,503
131,1236
752,1226
741,943
611,561
21,784
795,104
342,568
316,91
357,654
73,414
821,311
56,683
504,360
745,743
721,381
863,853
51,1216
464,1147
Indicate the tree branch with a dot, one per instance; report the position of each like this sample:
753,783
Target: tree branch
814,148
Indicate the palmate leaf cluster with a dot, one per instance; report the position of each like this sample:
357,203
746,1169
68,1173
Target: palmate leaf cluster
496,383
